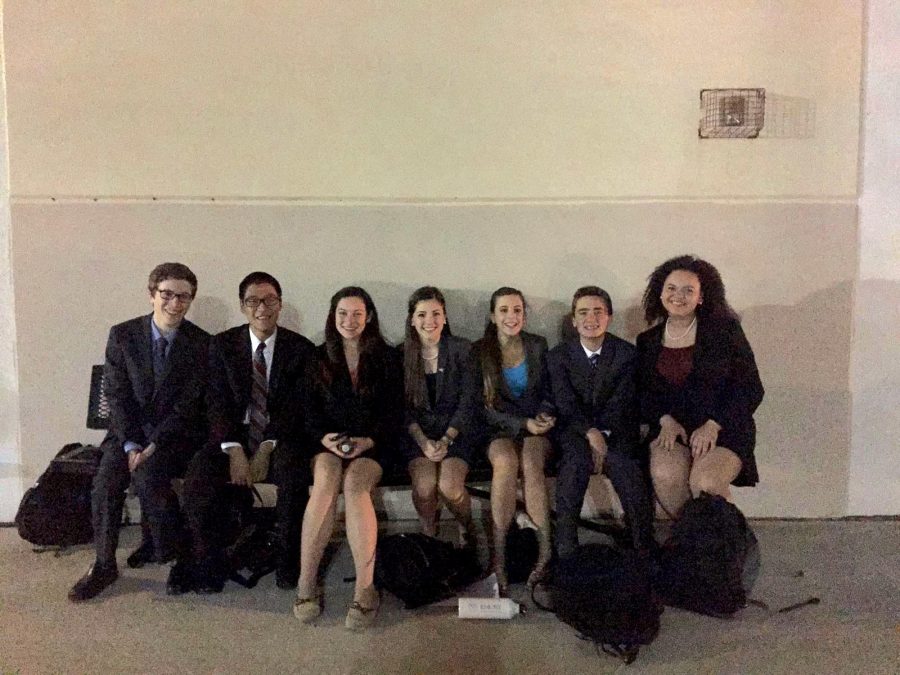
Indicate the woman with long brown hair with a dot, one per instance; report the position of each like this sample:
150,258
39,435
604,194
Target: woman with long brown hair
516,409
354,407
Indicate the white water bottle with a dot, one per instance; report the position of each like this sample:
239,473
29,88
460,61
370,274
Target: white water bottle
487,608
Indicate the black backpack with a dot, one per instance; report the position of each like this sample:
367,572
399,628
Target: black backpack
56,511
420,569
711,560
606,595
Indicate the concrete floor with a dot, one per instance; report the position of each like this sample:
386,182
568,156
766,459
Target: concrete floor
853,566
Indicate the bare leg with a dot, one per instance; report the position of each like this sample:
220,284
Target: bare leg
360,479
423,474
504,459
318,520
452,487
714,472
534,455
669,470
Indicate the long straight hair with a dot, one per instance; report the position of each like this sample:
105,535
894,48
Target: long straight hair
414,388
371,342
490,356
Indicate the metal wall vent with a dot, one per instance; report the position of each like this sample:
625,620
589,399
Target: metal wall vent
732,113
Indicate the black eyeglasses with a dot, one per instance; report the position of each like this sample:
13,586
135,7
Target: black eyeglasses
168,296
269,301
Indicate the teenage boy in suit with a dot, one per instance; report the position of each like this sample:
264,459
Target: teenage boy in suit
592,379
256,411
154,378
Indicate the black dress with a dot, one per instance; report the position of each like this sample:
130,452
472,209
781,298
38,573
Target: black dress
452,404
723,385
373,409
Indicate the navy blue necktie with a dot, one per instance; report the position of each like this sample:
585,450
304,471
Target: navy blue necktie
159,358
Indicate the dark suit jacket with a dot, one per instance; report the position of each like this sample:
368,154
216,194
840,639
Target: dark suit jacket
376,412
509,414
231,380
603,398
723,385
138,410
455,391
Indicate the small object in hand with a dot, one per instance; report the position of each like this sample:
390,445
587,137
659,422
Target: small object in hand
346,447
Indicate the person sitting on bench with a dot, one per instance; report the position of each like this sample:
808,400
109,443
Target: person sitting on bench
512,369
592,378
355,407
154,377
699,385
256,434
439,387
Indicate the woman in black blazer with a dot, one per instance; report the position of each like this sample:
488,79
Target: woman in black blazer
439,389
353,409
512,370
698,385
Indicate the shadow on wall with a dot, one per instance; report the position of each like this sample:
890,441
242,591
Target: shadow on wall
803,353
875,386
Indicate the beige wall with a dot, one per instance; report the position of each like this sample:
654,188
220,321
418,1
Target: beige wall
82,267
568,130
442,100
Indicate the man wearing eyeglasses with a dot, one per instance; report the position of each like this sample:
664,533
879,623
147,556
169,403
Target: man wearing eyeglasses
255,399
154,379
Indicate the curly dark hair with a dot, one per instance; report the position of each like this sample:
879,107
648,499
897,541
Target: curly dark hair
413,368
714,303
371,342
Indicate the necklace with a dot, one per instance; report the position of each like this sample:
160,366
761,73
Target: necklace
683,335
429,358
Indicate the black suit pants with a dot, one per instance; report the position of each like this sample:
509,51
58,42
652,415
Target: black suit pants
576,465
153,484
209,497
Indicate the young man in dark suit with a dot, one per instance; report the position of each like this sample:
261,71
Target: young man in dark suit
256,423
592,378
154,380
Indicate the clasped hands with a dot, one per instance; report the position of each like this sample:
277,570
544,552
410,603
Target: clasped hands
359,444
137,457
701,441
541,424
247,472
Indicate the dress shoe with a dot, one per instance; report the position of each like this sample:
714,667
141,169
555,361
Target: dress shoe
92,584
359,616
309,609
207,583
142,555
181,579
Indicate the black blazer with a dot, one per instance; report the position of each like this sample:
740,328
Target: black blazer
231,381
509,414
603,398
455,391
723,385
335,407
171,413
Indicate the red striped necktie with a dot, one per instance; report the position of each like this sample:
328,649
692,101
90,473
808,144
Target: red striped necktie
259,417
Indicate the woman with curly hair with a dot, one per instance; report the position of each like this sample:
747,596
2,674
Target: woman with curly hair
698,385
